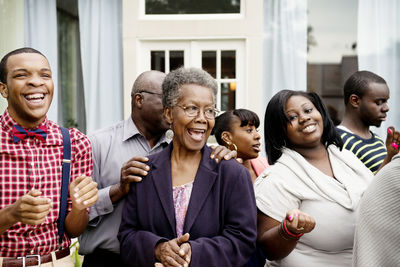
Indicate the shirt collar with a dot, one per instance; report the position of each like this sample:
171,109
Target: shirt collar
130,130
8,122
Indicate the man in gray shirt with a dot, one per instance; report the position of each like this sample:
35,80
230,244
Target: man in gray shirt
129,141
143,133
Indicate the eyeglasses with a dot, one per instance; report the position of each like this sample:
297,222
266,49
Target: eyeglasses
193,111
152,93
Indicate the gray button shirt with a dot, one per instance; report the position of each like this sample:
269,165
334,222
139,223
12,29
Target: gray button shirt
112,147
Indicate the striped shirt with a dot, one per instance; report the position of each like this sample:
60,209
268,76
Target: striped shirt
371,151
31,163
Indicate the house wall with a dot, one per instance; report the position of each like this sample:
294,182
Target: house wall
248,27
11,30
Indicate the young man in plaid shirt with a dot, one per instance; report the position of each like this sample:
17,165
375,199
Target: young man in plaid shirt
31,154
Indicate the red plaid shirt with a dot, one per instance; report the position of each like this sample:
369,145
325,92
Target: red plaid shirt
29,164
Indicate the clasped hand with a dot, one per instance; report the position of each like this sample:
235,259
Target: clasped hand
299,222
174,253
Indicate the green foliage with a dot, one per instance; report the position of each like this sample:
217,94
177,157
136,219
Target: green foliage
75,255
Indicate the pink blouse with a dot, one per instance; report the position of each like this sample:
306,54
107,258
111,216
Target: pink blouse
181,195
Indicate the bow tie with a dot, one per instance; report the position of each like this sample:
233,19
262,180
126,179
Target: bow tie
19,133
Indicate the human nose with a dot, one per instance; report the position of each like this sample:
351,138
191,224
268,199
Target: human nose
385,107
257,135
201,115
35,80
304,117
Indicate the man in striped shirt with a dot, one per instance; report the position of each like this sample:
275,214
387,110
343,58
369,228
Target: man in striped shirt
365,98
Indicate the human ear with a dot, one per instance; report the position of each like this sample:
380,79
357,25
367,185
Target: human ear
168,114
138,98
226,137
354,100
4,90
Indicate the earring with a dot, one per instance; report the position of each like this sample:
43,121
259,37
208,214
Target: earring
169,134
230,145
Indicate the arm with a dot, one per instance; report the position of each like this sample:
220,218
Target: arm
82,189
236,241
83,192
131,171
275,241
29,209
392,146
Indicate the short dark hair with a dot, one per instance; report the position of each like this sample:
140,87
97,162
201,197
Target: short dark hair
358,84
224,122
3,62
276,120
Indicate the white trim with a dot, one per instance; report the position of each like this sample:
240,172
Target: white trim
194,38
209,16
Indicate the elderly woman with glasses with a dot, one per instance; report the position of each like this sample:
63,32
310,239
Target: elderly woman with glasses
189,209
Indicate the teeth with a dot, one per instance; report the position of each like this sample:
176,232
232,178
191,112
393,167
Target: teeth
309,128
34,96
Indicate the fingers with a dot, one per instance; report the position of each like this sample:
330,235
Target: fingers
186,252
184,247
183,239
221,152
157,264
84,192
139,159
392,141
131,178
132,170
299,222
34,193
169,254
31,208
136,166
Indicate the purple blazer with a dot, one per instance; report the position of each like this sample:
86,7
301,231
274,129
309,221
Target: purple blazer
221,216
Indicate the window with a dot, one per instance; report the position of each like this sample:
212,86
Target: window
164,7
72,103
222,59
167,60
332,54
221,64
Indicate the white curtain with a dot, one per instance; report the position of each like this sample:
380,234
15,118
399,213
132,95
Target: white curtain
101,51
41,34
379,49
284,46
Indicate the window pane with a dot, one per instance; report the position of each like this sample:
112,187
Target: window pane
228,96
209,62
192,6
158,60
332,50
176,59
228,64
71,95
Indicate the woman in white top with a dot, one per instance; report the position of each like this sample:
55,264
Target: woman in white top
312,188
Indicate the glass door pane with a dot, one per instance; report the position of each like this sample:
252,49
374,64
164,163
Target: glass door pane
158,60
228,64
209,62
176,59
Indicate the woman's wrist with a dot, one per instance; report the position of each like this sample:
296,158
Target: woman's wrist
286,234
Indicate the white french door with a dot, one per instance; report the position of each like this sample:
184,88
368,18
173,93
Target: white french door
223,59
